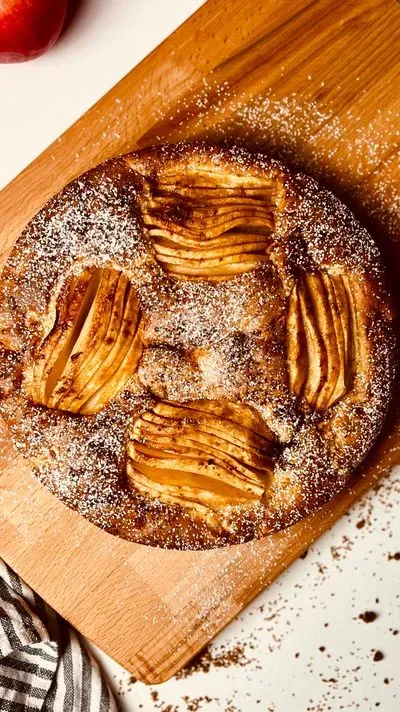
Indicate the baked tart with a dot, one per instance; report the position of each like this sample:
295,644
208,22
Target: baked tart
197,345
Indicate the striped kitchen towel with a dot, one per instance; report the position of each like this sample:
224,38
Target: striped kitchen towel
44,664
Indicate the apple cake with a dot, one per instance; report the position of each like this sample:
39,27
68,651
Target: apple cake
197,345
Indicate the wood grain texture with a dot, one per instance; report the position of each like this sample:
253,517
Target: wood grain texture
152,610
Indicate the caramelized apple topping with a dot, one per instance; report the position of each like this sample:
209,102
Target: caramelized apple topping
205,227
93,346
321,338
201,454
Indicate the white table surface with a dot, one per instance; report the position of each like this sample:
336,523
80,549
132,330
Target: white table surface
301,646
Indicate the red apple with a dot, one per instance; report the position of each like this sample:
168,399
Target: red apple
29,27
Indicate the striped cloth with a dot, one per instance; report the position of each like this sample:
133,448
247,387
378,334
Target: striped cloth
44,664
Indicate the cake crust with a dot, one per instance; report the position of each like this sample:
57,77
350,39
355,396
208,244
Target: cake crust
197,345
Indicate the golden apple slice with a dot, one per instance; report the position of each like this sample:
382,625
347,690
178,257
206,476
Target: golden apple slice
200,496
71,373
212,201
210,204
170,251
316,353
339,312
207,262
177,241
123,360
196,452
201,217
210,226
72,314
116,360
220,269
296,344
323,314
86,360
358,323
215,180
321,338
94,346
192,435
199,461
343,307
212,429
237,417
208,423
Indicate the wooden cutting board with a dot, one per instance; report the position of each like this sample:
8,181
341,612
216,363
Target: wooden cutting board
315,82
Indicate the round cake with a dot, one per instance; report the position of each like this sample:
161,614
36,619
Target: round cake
197,345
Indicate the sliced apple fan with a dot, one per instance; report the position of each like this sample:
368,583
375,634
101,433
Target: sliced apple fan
92,348
205,453
321,338
202,229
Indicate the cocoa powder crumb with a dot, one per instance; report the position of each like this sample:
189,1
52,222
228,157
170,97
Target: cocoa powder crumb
368,616
206,659
196,703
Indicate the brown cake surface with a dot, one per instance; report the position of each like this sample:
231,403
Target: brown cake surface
196,345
